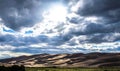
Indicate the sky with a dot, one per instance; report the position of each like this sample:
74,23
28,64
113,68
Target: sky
30,27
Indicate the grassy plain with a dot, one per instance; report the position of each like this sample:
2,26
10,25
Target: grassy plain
72,69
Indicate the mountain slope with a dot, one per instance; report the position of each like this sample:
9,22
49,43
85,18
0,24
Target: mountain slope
65,60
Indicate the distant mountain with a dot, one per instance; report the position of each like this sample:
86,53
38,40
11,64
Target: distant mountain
65,60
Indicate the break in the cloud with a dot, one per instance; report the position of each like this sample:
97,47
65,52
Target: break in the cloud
58,26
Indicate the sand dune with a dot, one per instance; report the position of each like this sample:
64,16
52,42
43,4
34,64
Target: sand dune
65,60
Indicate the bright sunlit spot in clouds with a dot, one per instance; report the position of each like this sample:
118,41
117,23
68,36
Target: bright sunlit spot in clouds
56,13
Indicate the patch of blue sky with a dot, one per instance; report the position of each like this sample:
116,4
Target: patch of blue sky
29,32
8,30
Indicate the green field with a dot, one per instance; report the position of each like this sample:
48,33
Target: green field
72,69
22,68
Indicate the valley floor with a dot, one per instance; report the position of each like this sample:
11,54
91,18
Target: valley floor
72,69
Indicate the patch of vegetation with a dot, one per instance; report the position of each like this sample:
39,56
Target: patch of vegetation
72,69
22,68
12,68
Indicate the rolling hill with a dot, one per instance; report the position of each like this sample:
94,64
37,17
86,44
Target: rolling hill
65,60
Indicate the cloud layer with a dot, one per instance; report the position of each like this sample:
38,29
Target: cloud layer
90,25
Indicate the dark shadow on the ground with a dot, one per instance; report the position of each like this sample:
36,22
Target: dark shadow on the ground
12,68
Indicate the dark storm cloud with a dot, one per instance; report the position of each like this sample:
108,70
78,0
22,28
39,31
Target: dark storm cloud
102,37
102,28
107,9
23,13
98,7
59,40
98,38
107,13
26,41
96,32
75,20
22,41
18,13
6,38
